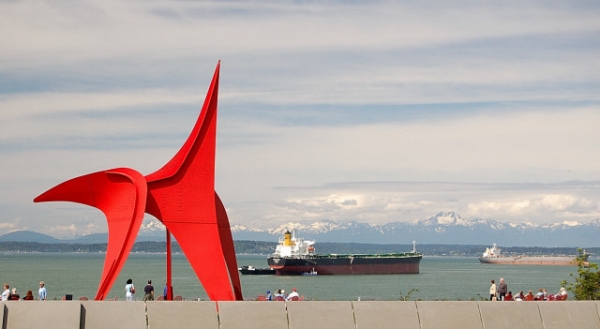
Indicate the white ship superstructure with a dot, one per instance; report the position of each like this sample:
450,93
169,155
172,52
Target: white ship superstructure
290,246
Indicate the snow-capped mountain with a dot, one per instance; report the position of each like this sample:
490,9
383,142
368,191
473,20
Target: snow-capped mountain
152,226
442,228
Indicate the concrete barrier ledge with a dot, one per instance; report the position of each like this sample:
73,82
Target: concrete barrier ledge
306,314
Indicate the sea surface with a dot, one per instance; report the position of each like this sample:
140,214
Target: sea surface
441,278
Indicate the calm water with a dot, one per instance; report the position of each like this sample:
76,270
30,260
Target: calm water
441,278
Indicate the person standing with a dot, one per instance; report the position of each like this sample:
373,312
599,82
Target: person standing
149,291
129,290
6,292
502,289
493,290
42,291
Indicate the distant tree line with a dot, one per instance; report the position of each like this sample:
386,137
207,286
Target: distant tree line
265,248
11,246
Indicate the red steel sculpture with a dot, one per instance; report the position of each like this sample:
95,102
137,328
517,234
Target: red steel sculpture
181,195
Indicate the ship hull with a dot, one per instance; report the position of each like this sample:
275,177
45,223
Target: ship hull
346,265
550,261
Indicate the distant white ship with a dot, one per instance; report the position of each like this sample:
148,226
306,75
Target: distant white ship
493,255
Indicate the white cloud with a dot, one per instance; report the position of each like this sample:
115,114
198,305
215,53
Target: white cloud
62,230
513,208
567,203
570,223
12,226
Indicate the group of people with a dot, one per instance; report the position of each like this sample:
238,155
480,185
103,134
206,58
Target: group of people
281,296
502,293
148,291
8,294
541,295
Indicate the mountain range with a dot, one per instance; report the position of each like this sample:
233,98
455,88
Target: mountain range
442,228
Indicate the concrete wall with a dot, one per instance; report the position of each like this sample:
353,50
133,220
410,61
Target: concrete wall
307,314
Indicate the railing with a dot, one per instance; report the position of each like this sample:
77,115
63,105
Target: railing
307,314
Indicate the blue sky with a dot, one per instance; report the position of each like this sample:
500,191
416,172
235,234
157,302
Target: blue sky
376,112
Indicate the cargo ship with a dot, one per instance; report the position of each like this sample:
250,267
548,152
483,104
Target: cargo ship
493,255
296,256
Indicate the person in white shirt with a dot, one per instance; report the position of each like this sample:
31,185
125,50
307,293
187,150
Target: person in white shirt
42,291
129,290
293,294
6,292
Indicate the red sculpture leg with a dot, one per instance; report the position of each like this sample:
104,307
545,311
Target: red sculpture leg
192,217
228,247
121,195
